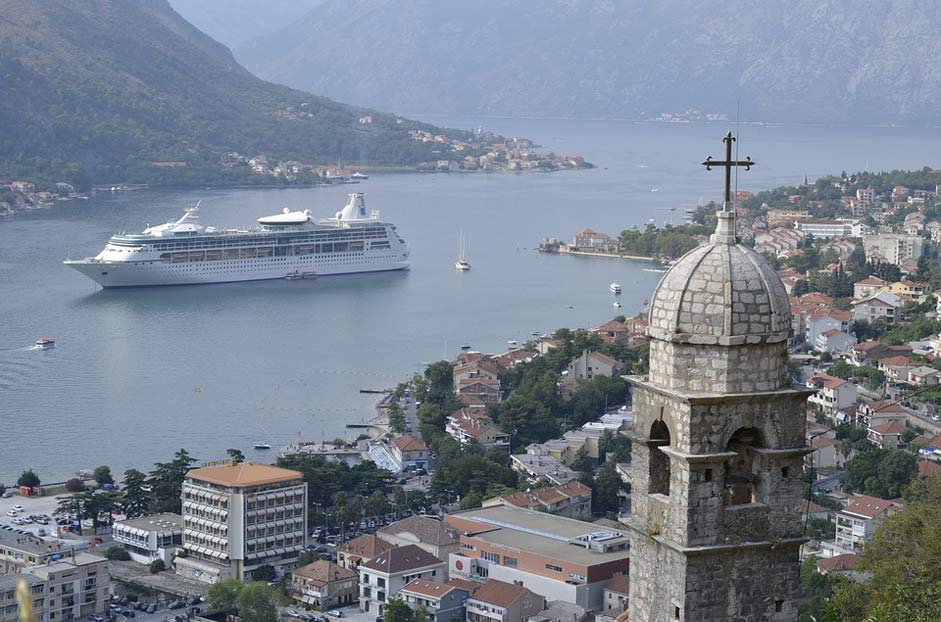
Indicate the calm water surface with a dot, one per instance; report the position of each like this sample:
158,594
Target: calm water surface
139,373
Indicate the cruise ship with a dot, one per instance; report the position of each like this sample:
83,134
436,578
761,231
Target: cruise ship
283,246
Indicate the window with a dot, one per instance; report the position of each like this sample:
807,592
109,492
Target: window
659,462
553,568
779,605
468,547
509,562
380,582
490,557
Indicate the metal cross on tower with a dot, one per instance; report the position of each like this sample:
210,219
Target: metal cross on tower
728,163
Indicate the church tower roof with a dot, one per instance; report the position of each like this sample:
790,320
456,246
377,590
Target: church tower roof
722,293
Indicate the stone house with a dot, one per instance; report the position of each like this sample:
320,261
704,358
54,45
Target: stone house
875,413
589,240
324,585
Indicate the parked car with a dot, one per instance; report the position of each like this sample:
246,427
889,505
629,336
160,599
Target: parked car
12,513
7,494
17,507
177,604
151,608
41,532
94,617
336,613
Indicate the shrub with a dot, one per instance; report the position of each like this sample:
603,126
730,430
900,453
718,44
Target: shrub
117,553
157,566
75,485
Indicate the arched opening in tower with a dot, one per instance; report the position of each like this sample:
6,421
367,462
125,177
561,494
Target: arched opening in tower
741,472
659,466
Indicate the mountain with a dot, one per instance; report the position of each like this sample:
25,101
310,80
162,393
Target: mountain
233,22
784,60
127,90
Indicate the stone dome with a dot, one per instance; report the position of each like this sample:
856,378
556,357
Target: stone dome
722,293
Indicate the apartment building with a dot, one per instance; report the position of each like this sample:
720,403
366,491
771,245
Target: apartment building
856,523
76,586
473,424
410,451
240,516
820,228
9,607
385,575
18,551
149,538
557,557
895,248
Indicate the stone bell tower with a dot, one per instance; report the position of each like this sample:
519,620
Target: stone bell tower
718,444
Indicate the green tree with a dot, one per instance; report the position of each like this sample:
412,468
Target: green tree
265,572
880,473
166,482
256,603
136,498
604,495
582,461
102,475
471,501
376,504
236,454
222,597
397,611
306,557
157,566
29,479
902,557
74,485
117,553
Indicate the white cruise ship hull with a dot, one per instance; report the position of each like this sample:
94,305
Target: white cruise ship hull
151,273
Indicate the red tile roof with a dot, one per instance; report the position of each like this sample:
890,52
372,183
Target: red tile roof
890,427
839,563
499,593
407,442
928,468
366,546
430,589
401,559
869,507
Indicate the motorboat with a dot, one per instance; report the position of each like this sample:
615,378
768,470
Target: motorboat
294,276
616,304
262,446
615,287
45,343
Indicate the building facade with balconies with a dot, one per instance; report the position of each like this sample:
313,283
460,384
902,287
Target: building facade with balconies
239,517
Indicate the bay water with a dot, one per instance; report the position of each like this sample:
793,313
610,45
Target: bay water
138,373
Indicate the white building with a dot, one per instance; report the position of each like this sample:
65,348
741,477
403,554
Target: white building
859,520
825,228
832,393
895,248
149,538
384,576
239,517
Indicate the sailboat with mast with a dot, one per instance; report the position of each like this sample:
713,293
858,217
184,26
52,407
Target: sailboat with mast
462,263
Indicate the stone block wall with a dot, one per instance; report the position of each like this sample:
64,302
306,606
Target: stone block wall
692,367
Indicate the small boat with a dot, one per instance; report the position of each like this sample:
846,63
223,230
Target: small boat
616,304
309,275
45,343
615,287
262,446
358,175
461,263
466,346
293,276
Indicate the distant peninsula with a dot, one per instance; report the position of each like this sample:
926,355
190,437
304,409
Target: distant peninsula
129,93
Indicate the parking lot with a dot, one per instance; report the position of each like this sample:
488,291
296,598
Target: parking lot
30,505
